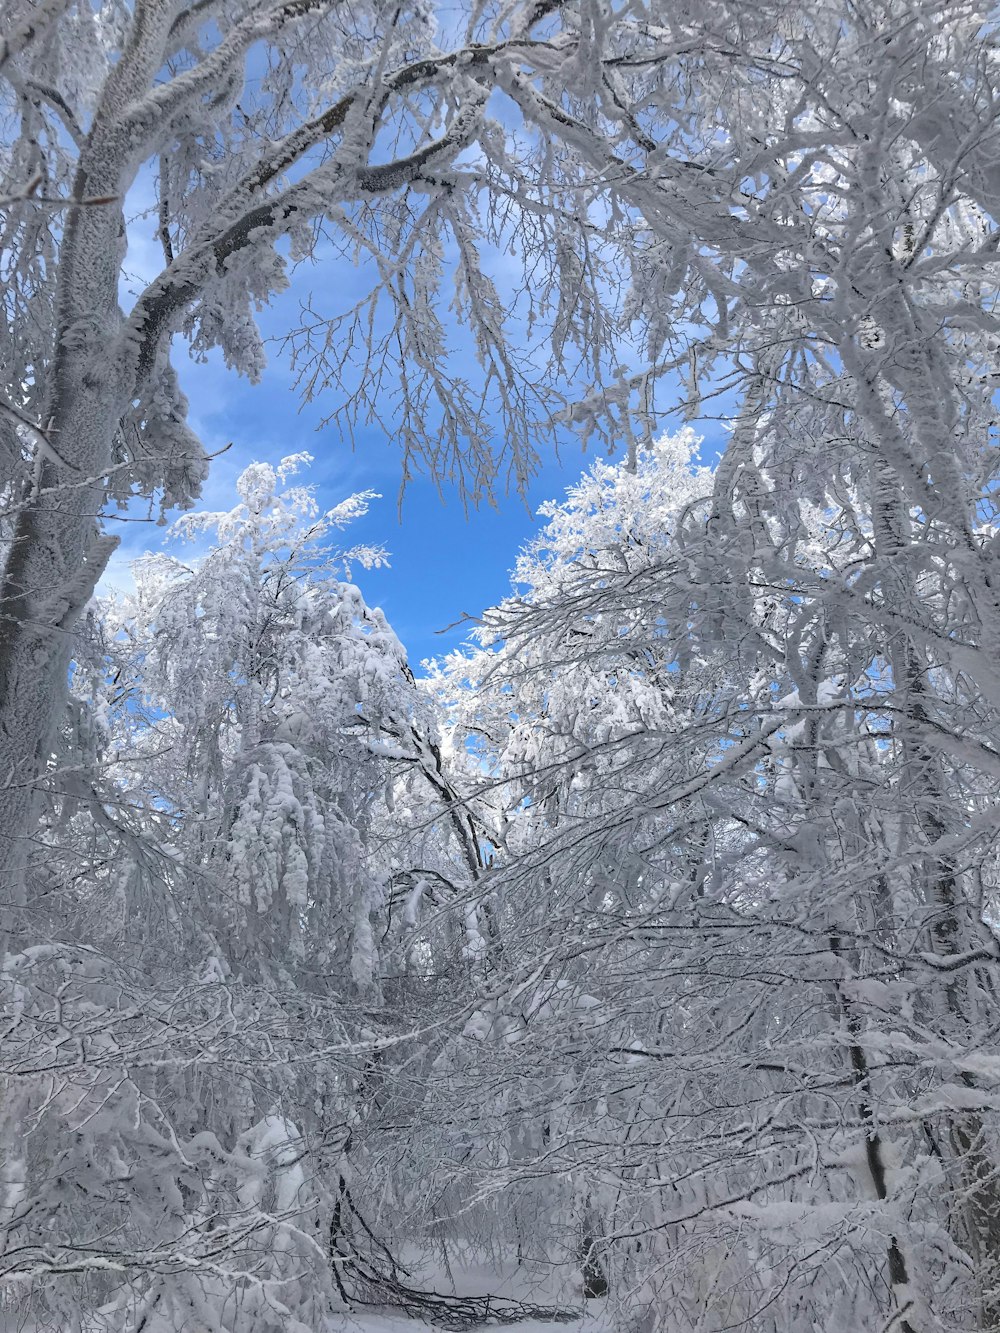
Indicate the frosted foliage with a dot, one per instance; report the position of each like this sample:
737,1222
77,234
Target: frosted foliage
603,198
648,947
275,670
191,1051
745,900
163,168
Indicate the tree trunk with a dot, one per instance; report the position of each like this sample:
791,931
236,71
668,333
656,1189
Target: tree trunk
58,554
899,1274
55,560
953,924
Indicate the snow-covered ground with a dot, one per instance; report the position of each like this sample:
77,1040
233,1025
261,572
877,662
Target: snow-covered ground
384,1323
548,1287
540,1286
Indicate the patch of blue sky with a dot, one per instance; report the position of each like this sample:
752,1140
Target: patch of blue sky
447,561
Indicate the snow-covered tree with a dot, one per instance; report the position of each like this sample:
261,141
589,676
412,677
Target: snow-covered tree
269,678
706,189
837,596
245,136
716,889
200,1046
747,974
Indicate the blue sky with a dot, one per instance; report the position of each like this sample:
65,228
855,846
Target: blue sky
444,563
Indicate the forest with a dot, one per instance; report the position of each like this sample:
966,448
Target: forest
635,966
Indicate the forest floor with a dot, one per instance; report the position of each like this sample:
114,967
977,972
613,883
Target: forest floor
547,1289
385,1323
